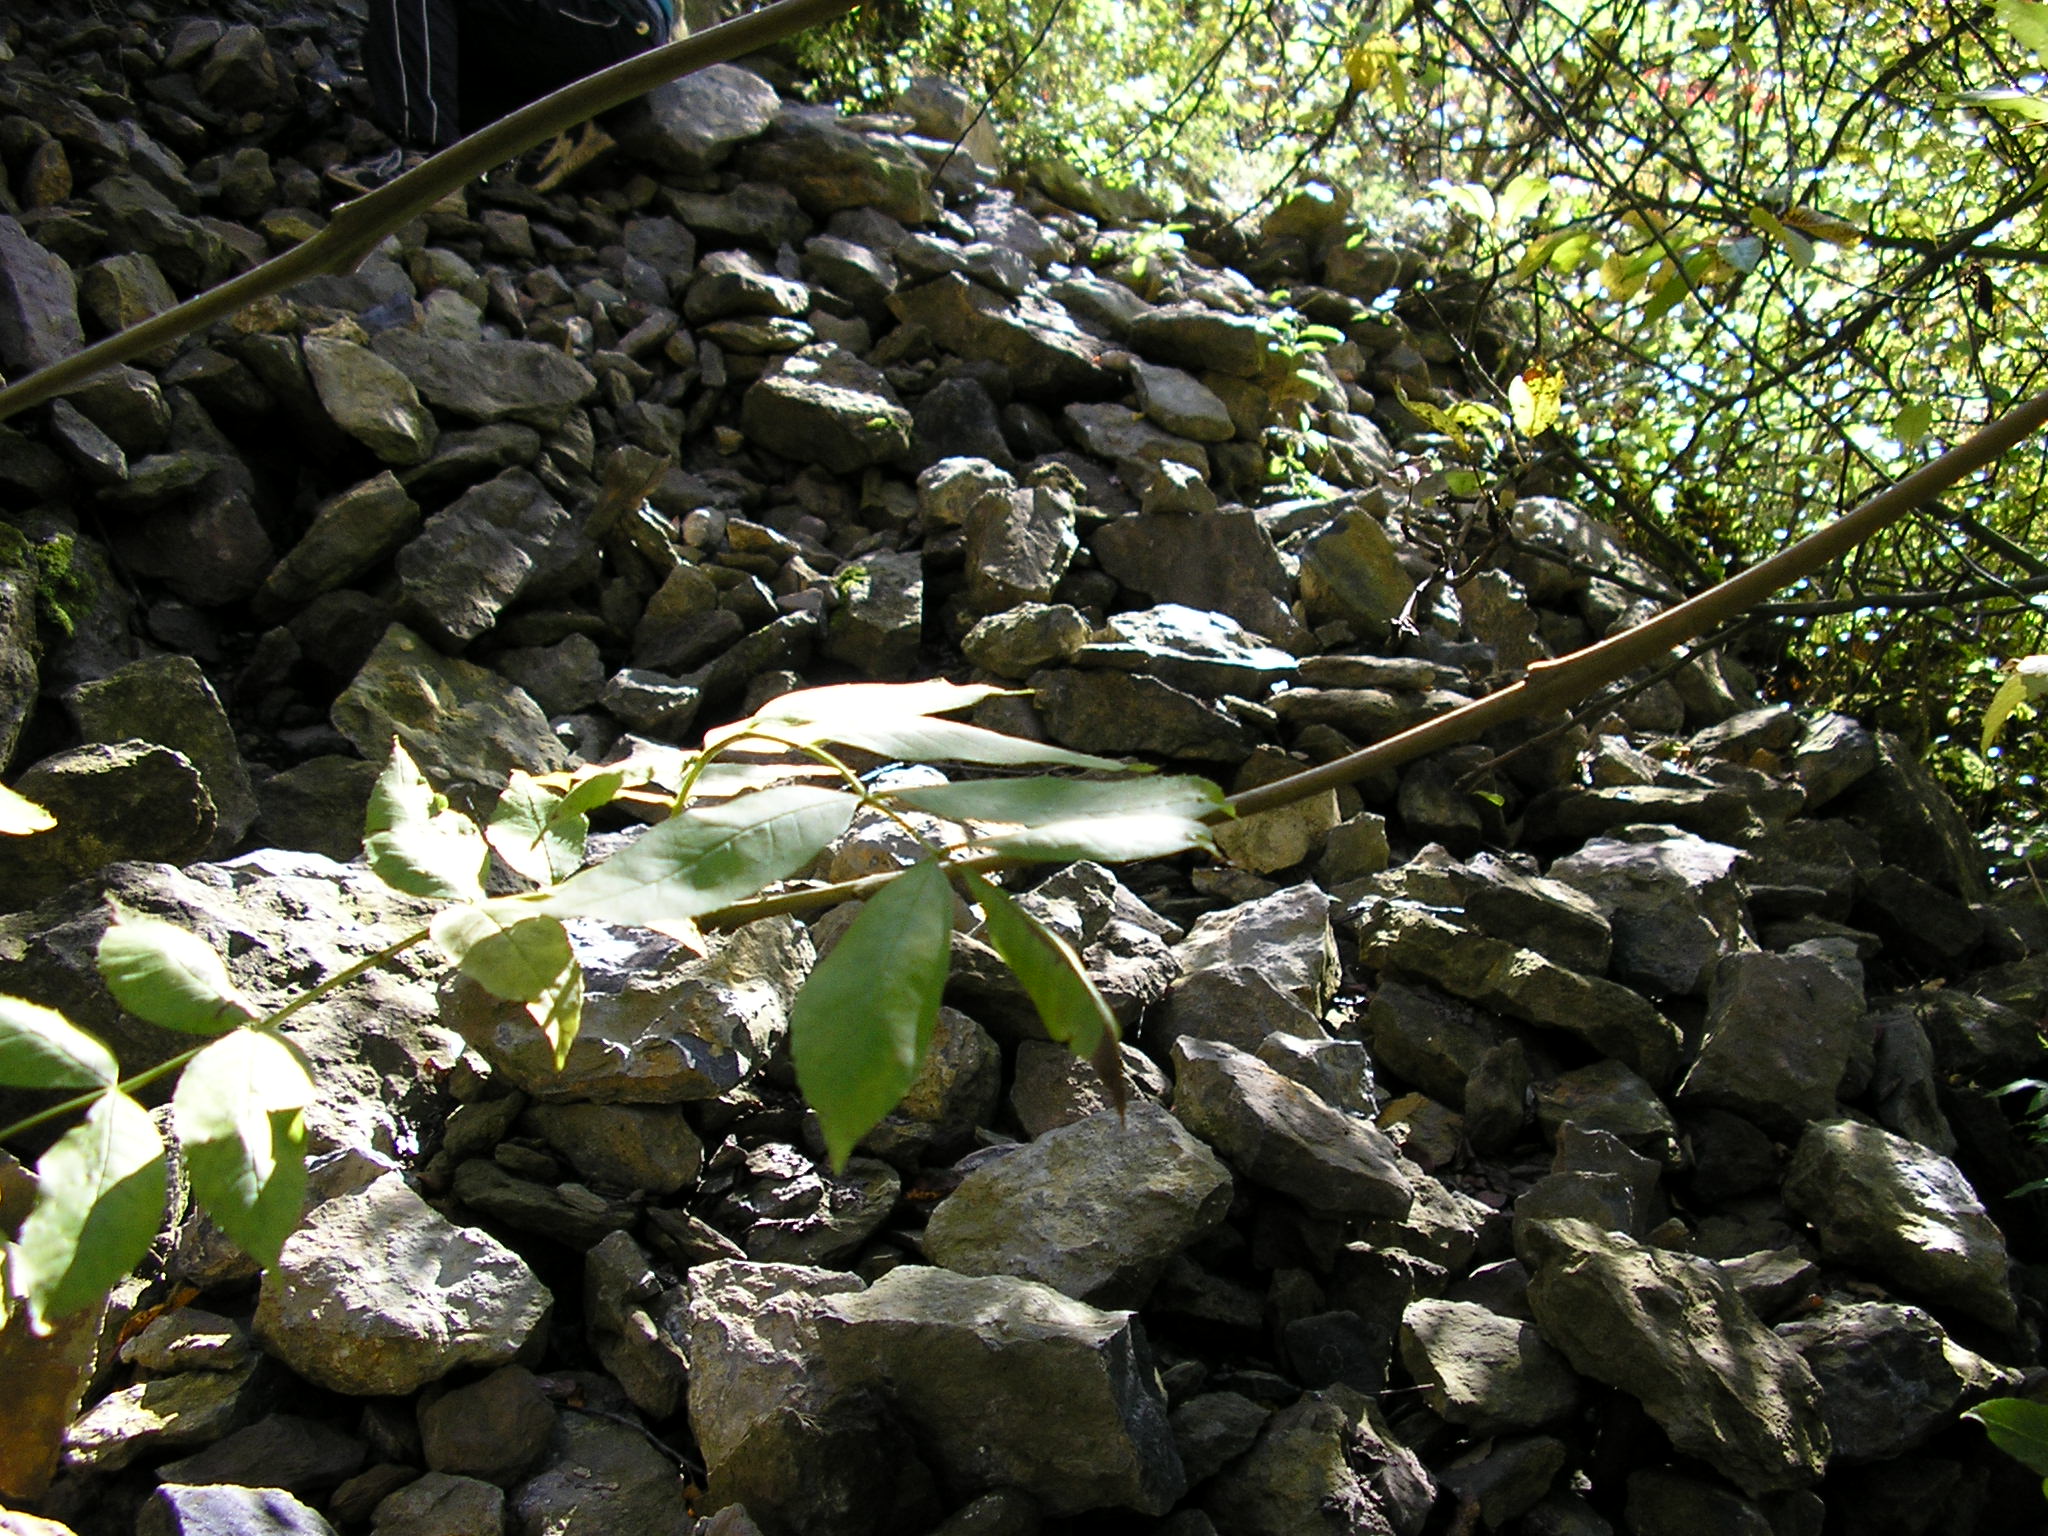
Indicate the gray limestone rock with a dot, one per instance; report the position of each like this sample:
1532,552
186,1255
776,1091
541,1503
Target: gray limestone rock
660,1025
371,400
1833,756
1094,1209
788,1208
1779,1032
602,1478
38,304
1044,351
1890,1378
1428,1039
955,1091
764,1409
1879,1201
693,125
21,646
1119,712
1323,1466
736,283
351,533
1662,1502
825,406
1279,1134
1674,1334
169,1413
1248,970
111,801
1019,544
522,381
1221,562
830,166
1195,337
1182,403
1212,1429
460,722
168,700
1200,650
637,1326
280,1450
1548,916
1673,899
1019,641
476,555
625,1147
212,1509
1135,445
1005,1382
377,1295
1486,1372
1508,1478
1407,940
440,1505
1351,573
494,1429
879,622
1916,825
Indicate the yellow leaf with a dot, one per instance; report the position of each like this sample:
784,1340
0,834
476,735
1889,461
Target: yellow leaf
1822,226
1534,396
20,816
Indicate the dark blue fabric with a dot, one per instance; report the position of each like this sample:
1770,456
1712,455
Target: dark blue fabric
442,68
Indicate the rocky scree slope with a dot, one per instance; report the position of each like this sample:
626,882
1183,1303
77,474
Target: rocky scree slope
1592,1137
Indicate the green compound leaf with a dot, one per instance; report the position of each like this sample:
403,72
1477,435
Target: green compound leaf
863,1021
40,1048
1111,840
705,858
160,972
1038,801
2017,1427
521,958
418,844
895,720
2026,681
101,1201
1053,977
541,833
237,1114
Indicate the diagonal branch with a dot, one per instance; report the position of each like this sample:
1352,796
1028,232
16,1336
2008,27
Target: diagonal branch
358,226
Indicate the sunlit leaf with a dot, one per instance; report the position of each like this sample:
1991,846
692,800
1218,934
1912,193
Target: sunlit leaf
862,1022
237,1114
416,842
21,816
705,858
162,973
1109,839
1521,197
1915,419
1794,244
40,1048
1823,226
1046,966
1534,397
523,958
2025,681
1038,800
540,833
100,1201
856,702
2016,1426
1669,293
1469,197
2027,21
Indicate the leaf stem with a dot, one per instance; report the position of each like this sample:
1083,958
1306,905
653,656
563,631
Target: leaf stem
342,978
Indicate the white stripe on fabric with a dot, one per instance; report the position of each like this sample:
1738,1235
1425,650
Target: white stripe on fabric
433,98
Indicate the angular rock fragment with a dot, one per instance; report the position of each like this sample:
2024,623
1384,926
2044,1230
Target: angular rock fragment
1277,1133
1674,1334
1880,1201
377,1295
1094,1209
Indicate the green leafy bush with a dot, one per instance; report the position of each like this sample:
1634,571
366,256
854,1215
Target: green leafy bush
755,806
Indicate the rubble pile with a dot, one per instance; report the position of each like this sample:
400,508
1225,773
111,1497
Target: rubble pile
1589,1129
